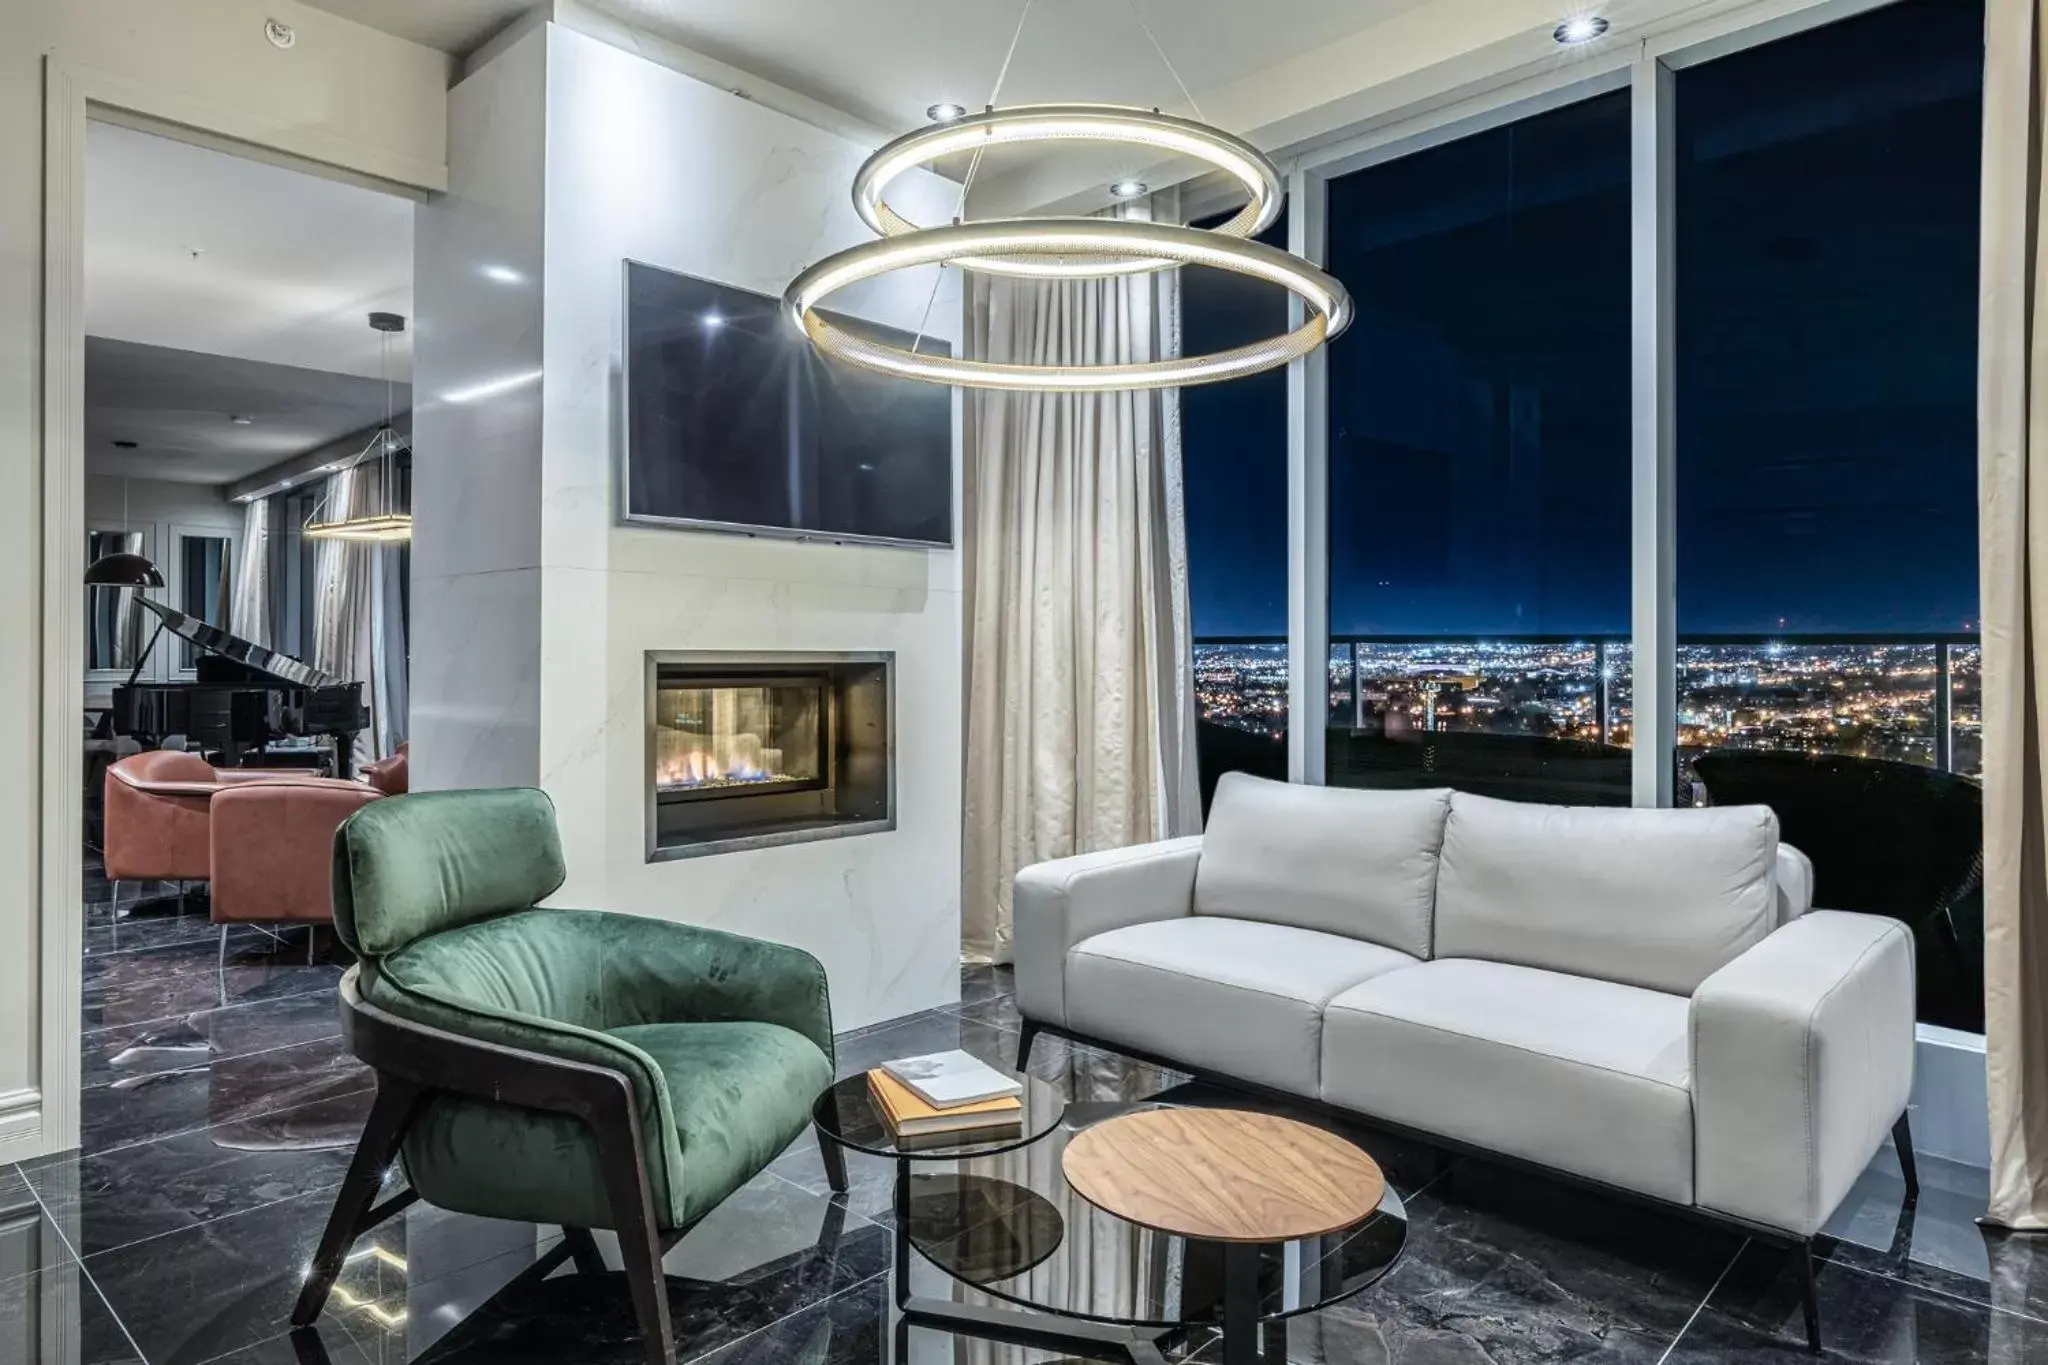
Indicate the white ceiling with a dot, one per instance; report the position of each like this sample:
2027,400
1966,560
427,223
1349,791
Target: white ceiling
456,26
177,407
884,61
202,251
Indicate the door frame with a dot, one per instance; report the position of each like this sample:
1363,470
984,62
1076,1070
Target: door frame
44,1118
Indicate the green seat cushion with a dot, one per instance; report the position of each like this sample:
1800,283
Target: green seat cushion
740,1092
743,1092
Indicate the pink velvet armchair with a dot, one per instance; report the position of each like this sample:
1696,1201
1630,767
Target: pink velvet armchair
273,850
391,775
260,837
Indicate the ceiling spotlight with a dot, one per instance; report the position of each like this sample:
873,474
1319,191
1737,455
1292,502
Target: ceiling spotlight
1129,189
124,445
945,111
713,320
502,274
1582,29
241,419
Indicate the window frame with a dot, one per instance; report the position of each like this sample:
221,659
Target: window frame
1644,63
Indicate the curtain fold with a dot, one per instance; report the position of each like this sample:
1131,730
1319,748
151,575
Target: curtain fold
249,607
344,604
2013,531
1079,710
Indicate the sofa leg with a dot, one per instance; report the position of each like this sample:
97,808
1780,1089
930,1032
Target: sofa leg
1024,1042
352,1215
624,1162
1902,1141
1808,1299
834,1157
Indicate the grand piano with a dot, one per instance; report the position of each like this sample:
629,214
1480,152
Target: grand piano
243,696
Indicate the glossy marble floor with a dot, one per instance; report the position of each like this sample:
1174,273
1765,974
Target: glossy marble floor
221,1105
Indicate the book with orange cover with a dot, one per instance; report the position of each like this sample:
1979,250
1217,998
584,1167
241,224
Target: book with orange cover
909,1116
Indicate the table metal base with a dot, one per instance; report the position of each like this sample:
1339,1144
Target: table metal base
1017,1326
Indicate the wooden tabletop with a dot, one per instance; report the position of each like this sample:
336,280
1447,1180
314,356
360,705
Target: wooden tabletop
1223,1175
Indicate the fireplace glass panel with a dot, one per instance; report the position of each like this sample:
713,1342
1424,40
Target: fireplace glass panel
723,738
751,750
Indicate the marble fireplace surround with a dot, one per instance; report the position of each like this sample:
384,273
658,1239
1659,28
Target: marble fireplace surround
843,784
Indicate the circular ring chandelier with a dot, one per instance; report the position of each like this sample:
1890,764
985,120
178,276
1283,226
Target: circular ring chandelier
1115,124
1069,239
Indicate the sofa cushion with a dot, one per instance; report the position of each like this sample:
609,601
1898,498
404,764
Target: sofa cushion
1585,1076
1233,996
1652,898
1344,861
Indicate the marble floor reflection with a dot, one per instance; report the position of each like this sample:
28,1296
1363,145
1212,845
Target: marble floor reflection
220,1107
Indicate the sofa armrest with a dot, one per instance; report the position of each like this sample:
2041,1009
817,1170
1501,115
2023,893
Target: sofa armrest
1795,884
1802,1060
1058,904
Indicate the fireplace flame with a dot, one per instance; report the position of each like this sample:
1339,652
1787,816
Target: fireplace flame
684,761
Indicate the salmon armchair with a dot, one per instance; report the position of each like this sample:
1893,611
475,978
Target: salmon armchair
557,1066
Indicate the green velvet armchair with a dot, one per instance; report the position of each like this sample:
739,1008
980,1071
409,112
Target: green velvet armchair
555,1066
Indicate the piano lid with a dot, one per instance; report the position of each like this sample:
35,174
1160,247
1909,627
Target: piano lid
217,641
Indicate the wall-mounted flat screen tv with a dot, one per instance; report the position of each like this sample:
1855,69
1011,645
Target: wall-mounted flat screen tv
734,422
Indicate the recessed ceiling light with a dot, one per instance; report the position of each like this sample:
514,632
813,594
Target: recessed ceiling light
241,419
713,320
124,445
503,274
1128,189
945,111
1583,28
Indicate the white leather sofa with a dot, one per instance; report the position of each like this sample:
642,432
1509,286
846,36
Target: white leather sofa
1639,998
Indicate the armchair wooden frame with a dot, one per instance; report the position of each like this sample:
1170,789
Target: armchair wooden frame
415,1062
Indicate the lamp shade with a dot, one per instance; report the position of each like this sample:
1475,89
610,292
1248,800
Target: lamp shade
123,571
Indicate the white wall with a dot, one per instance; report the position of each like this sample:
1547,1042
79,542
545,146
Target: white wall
476,562
648,164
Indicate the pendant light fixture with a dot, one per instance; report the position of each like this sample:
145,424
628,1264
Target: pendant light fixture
382,519
1068,247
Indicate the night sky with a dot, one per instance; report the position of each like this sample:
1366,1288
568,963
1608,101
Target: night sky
1479,426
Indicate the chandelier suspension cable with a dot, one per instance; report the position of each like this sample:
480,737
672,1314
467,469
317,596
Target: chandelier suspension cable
1171,69
973,165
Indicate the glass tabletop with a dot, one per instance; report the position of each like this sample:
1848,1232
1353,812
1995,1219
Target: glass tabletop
846,1114
1011,1226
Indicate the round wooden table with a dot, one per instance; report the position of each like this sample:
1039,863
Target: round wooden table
1232,1176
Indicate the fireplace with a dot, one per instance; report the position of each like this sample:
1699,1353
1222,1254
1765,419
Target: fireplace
752,750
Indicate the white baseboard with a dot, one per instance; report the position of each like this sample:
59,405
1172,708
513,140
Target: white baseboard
21,1125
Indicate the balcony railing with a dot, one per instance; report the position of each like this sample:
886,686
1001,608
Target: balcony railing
1351,667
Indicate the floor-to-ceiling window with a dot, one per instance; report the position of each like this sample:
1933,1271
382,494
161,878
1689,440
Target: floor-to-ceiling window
1826,219
1234,468
1479,463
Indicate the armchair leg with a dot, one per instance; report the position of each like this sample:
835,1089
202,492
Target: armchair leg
834,1157
397,1101
583,1250
1902,1141
625,1177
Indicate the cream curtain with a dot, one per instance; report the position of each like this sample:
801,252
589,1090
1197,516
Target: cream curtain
2013,528
343,600
249,608
1079,707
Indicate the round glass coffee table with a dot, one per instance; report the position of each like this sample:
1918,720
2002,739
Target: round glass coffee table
1052,1271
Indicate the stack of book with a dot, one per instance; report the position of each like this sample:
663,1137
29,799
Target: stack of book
946,1099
